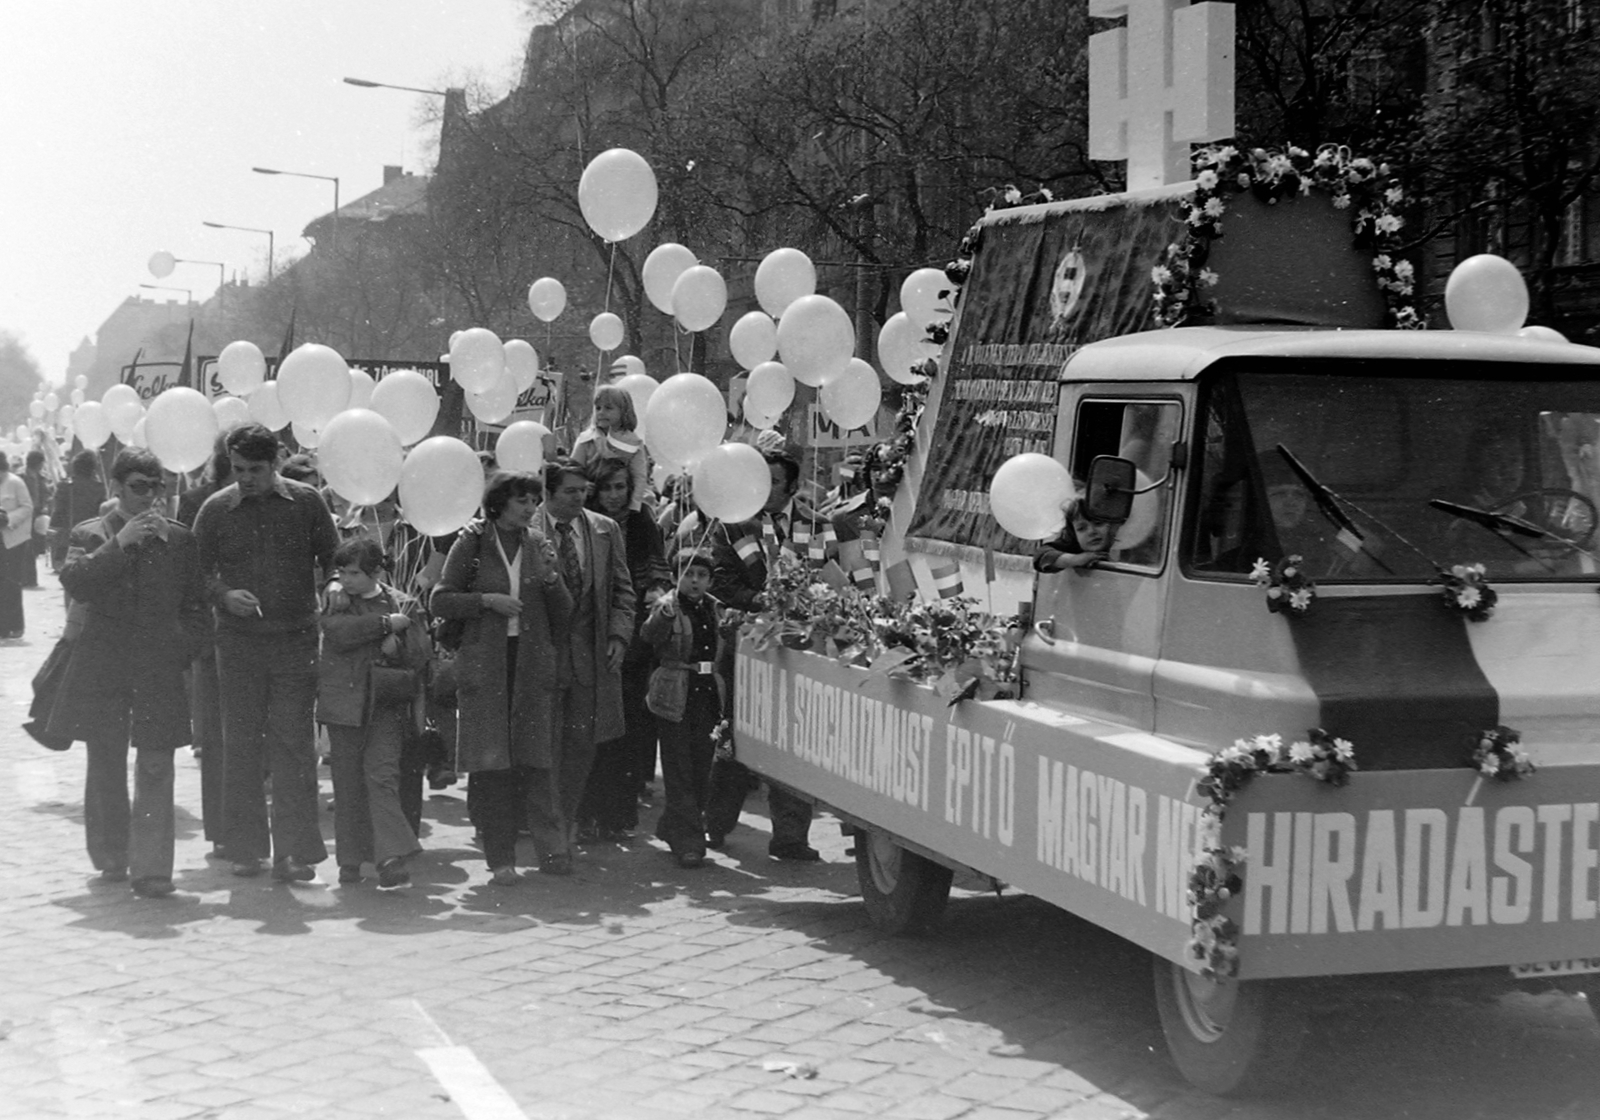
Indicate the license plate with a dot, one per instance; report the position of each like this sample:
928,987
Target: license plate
1572,967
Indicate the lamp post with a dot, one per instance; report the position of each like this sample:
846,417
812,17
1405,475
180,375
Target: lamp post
187,292
334,179
365,84
163,262
250,229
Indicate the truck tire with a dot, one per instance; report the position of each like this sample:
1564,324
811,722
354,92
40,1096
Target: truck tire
1229,1037
903,892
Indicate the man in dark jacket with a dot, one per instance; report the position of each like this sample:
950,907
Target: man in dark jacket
742,554
262,541
78,498
138,575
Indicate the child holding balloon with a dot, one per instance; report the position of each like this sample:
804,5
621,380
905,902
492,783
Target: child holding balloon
610,435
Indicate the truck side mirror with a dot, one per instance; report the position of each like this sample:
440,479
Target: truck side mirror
1111,486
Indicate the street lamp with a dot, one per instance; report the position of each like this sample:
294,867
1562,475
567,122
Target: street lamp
365,84
249,229
163,262
334,179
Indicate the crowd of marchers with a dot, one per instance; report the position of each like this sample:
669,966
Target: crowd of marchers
558,652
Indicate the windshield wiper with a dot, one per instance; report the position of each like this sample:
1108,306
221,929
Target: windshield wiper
1328,504
1500,524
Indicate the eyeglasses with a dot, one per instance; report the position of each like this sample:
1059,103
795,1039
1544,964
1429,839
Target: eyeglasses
142,488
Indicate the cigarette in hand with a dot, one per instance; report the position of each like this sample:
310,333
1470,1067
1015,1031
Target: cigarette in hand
258,611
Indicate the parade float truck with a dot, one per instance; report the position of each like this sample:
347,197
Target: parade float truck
1295,588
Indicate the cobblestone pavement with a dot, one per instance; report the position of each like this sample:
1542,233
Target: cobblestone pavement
635,990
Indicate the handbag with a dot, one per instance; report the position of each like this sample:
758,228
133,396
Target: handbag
391,685
46,682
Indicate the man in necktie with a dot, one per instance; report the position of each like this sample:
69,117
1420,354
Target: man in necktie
741,554
588,707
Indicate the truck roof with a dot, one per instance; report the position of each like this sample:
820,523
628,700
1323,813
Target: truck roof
1183,353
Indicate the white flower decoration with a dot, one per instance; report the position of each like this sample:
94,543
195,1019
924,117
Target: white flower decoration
1208,278
1390,223
1302,752
1468,597
1206,180
1161,274
1300,599
1341,202
1404,269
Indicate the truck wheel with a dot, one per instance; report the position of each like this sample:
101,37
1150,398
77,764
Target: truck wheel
903,892
1229,1037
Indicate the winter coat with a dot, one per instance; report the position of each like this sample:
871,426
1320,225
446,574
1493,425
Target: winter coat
487,738
673,638
145,617
352,638
609,604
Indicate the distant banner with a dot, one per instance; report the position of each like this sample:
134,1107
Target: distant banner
1041,287
211,382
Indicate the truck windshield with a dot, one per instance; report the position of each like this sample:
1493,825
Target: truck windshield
1491,438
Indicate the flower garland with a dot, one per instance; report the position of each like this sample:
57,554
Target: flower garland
950,644
1217,873
1289,589
1467,591
1497,753
1370,187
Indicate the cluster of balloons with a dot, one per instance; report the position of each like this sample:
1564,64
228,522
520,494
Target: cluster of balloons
1487,293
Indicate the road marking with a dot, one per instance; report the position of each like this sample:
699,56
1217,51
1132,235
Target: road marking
468,1081
36,782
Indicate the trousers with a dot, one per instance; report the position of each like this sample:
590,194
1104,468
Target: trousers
205,718
731,783
137,837
370,823
269,689
686,753
497,802
555,794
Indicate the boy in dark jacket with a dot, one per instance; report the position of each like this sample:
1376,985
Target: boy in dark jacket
371,649
687,696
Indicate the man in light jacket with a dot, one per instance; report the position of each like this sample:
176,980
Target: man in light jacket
17,535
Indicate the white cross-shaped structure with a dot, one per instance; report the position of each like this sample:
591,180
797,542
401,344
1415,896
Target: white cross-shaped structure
1158,84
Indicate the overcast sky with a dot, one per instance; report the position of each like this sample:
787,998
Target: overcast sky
126,123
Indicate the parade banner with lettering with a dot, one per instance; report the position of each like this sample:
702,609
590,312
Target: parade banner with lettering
1043,284
1398,870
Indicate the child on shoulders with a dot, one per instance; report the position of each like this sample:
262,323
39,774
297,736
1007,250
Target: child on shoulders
610,435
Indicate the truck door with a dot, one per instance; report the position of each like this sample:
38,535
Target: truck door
1098,654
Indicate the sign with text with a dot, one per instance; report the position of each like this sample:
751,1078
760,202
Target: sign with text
1399,870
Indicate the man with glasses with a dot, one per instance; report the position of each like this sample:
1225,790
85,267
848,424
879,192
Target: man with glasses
137,575
263,539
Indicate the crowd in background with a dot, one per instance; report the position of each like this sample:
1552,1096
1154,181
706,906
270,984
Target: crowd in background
557,652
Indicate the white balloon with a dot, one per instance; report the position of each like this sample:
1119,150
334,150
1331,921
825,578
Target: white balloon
547,298
477,359
453,336
851,400
181,428
699,298
816,340
36,409
523,362
925,296
305,435
783,276
81,381
231,412
731,482
753,339
441,485
76,397
521,447
771,388
1027,494
902,346
361,386
686,418
65,415
136,438
755,417
627,365
1486,293
161,264
90,425
661,271
241,367
498,403
359,454
606,330
408,401
617,194
123,409
266,409
313,385
51,402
